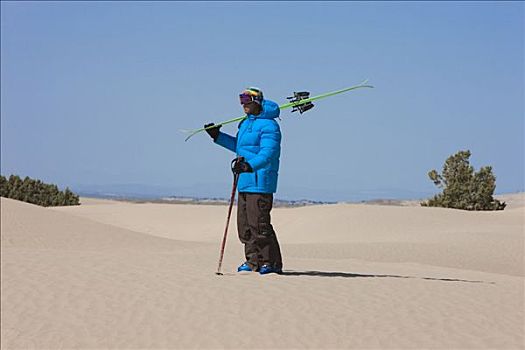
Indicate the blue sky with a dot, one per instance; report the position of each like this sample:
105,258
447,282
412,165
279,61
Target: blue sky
94,93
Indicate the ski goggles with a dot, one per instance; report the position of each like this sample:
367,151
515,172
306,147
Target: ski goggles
246,97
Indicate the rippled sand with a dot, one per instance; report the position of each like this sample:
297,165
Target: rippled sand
122,275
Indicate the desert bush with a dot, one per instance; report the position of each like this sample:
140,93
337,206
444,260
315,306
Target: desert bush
36,192
462,187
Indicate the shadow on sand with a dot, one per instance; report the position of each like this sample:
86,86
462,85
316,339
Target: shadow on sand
356,275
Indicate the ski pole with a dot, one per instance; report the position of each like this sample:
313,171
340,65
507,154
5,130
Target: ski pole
232,199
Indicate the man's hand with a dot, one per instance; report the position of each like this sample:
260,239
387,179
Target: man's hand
241,166
213,132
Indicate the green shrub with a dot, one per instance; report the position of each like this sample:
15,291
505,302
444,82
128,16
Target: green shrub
462,187
36,192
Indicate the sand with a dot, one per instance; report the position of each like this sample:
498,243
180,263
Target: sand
121,275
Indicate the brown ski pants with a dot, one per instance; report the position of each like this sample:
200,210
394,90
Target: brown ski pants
255,230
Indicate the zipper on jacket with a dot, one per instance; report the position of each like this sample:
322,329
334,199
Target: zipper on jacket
256,185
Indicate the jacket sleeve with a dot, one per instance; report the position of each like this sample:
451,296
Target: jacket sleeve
227,141
270,146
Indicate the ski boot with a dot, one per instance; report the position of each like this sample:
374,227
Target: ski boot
266,269
244,268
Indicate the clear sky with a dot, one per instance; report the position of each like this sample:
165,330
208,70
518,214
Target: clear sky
94,93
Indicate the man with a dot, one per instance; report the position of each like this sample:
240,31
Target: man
258,142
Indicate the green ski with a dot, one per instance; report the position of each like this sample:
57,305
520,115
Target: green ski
299,102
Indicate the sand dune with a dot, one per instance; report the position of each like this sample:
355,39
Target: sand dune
483,241
122,275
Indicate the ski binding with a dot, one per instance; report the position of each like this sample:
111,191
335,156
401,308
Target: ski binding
297,104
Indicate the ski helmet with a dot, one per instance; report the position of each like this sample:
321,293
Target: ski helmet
251,94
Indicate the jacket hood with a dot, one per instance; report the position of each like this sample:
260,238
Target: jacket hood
270,110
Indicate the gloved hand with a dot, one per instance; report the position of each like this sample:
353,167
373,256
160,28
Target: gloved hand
241,166
213,132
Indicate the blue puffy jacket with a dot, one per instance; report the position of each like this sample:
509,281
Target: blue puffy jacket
258,140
